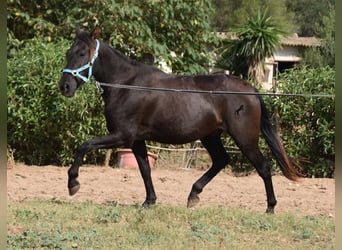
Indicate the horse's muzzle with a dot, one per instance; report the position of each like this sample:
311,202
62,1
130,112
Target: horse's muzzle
65,89
67,85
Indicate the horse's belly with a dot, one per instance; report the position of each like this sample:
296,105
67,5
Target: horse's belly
180,132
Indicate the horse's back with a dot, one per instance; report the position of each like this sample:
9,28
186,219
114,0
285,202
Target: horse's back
214,82
238,113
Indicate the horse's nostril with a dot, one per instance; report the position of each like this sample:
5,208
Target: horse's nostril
66,87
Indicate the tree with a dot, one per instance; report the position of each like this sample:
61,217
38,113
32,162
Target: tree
309,14
230,14
325,54
256,40
177,32
327,32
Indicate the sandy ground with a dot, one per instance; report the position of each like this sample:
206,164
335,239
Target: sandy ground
125,186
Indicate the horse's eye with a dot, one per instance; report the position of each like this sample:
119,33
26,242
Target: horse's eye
82,54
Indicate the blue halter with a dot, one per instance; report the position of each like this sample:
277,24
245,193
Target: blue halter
76,72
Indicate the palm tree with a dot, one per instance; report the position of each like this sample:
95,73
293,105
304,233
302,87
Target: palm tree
255,41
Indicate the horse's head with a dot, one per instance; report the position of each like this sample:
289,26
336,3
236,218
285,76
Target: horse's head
80,58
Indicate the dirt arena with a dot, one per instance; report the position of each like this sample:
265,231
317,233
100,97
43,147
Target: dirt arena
125,186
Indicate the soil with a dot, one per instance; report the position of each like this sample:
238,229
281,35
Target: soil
310,196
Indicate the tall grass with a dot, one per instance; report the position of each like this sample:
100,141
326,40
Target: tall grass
62,225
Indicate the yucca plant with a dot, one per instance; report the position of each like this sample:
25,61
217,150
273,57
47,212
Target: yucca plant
255,41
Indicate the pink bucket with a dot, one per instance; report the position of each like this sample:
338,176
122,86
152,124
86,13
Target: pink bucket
126,158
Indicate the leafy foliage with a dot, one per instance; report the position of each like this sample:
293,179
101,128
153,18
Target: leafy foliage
325,54
140,29
43,126
309,13
308,124
230,14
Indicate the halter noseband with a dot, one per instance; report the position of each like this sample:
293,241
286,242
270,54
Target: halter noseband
89,65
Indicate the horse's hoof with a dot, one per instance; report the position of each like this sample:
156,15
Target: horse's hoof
148,204
74,189
193,201
270,211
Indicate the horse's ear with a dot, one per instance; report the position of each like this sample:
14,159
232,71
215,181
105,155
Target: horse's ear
96,32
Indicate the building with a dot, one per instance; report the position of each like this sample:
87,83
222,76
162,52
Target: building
287,56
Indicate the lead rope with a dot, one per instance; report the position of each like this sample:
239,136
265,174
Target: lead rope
99,88
212,92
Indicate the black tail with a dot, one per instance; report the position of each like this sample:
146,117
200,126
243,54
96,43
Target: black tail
276,145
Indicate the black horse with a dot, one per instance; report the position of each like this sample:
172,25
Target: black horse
170,117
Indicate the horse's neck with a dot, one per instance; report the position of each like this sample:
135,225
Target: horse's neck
113,67
117,68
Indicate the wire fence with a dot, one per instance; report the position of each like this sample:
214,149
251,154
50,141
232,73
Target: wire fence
186,156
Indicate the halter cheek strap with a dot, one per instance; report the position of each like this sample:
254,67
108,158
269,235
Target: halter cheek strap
76,72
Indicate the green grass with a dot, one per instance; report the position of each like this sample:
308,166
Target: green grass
63,225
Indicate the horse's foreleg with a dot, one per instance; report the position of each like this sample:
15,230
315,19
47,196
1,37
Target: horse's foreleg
140,153
220,159
101,142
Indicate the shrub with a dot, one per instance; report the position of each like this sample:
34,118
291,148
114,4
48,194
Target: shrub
43,126
308,124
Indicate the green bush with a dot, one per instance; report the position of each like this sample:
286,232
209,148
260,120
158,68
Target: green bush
308,124
43,126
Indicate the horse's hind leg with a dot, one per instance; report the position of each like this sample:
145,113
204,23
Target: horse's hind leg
264,170
220,159
140,153
252,152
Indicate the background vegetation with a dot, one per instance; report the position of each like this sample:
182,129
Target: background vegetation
308,124
304,17
45,128
230,14
140,29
